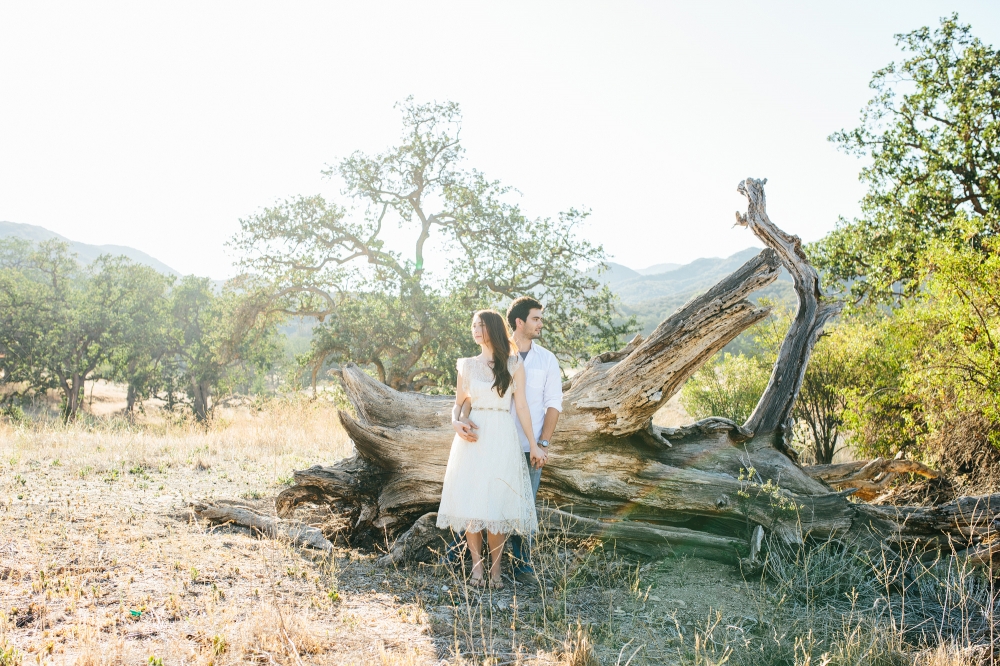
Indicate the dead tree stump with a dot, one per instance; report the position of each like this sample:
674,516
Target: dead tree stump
704,488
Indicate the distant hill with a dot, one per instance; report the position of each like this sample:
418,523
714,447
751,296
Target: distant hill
652,297
651,294
86,252
656,269
615,274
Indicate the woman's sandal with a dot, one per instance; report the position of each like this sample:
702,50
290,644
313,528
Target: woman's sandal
477,581
496,584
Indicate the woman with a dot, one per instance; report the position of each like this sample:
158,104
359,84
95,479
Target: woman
486,484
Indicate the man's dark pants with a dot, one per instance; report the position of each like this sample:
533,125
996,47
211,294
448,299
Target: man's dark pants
519,547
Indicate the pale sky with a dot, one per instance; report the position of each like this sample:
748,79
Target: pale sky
159,125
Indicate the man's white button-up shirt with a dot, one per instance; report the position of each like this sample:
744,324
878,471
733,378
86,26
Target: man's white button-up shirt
544,390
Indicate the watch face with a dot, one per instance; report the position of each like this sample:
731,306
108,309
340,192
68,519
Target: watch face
544,443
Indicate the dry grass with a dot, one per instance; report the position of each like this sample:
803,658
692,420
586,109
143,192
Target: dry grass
101,564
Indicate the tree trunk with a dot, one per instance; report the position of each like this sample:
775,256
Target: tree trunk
130,398
704,488
71,392
201,394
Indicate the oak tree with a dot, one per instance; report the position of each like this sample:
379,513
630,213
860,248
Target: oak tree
931,133
404,311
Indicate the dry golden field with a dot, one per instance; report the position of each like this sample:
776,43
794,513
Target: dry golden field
102,563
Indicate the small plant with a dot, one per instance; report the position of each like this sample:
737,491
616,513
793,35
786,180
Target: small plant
194,575
139,470
14,414
333,596
219,645
782,506
154,660
10,655
173,607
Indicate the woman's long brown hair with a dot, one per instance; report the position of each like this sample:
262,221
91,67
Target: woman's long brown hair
499,337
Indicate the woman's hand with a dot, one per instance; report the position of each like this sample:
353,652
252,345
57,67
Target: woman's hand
538,456
460,417
465,429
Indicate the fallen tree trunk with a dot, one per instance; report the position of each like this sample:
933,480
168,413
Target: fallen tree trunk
707,487
298,533
424,540
868,478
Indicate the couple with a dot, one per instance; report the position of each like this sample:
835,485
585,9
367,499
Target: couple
514,390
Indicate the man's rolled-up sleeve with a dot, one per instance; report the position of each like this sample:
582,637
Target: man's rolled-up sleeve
552,396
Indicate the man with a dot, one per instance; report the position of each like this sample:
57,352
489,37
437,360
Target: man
544,395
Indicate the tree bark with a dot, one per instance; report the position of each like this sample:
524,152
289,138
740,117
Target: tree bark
130,399
299,533
201,394
869,478
71,392
705,488
775,406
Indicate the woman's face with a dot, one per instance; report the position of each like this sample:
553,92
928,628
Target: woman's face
479,333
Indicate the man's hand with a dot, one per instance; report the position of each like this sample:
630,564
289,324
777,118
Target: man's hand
466,429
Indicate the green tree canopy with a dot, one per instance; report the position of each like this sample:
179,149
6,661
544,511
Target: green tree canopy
394,309
931,135
136,358
62,323
221,341
729,386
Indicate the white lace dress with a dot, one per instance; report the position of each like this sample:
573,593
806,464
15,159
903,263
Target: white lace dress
486,484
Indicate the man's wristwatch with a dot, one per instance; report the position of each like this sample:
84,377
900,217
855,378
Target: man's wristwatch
544,443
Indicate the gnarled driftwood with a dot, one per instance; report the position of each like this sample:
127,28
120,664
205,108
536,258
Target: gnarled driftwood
703,488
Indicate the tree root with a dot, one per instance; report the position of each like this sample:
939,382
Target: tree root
299,533
869,478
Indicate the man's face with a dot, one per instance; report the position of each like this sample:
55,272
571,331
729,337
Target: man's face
532,328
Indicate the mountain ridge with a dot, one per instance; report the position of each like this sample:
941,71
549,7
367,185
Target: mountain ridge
650,294
651,298
85,251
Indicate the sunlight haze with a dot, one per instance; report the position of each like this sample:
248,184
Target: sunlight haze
158,126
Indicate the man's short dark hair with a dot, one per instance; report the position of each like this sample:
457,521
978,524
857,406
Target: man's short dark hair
520,309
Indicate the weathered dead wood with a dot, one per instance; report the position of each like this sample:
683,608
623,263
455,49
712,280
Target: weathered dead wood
869,478
961,523
415,543
775,407
645,538
299,533
640,538
616,394
709,487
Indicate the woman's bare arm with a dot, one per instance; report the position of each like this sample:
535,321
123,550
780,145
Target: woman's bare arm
460,412
524,416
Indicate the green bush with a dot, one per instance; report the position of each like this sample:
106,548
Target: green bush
729,387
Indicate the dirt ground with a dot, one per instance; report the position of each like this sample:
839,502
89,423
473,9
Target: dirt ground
102,563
